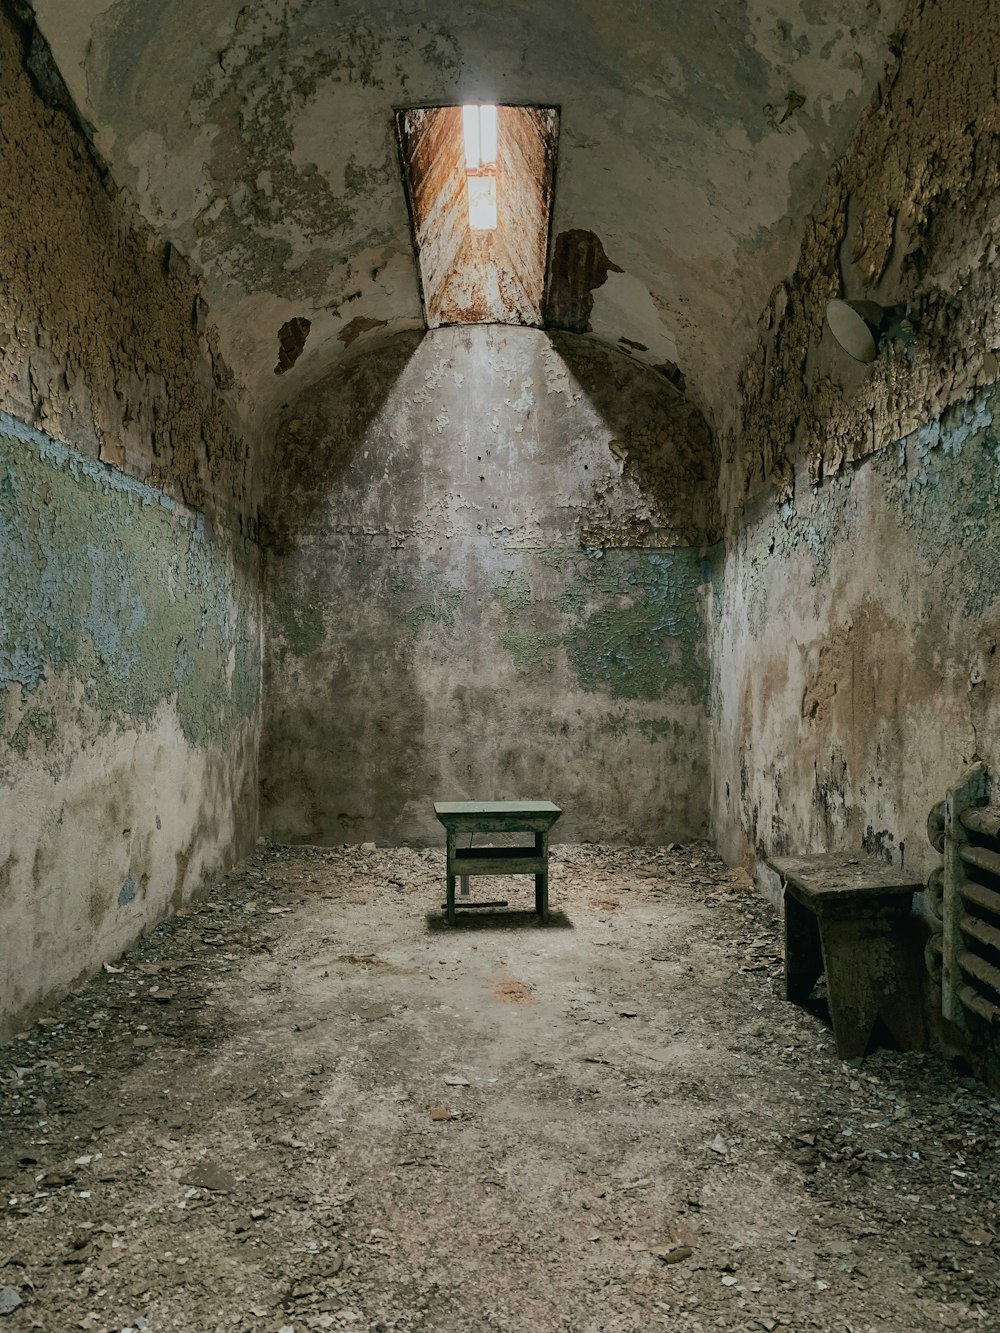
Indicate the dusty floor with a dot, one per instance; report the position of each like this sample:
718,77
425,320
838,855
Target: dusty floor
307,1104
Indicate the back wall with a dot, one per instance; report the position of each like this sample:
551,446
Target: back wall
488,577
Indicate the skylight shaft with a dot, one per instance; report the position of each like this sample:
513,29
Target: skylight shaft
482,203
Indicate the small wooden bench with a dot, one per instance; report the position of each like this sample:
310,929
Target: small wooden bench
461,817
849,916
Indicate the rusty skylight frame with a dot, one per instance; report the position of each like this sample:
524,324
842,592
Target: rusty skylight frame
476,267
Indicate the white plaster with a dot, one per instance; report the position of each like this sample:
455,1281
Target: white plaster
624,302
63,836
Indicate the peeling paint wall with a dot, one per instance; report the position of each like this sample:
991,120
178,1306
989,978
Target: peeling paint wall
909,216
259,138
858,670
129,589
855,667
104,335
488,577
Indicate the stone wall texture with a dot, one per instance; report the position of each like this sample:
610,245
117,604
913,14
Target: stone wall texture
855,672
854,649
489,577
908,217
129,599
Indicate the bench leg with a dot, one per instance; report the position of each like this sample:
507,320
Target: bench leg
542,880
803,954
451,878
853,961
903,1013
870,977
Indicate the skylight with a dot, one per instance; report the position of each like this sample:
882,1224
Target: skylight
479,181
479,125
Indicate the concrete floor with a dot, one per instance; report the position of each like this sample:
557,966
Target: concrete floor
307,1104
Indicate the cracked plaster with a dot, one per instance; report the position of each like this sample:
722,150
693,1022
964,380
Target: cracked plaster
488,572
129,595
259,140
910,216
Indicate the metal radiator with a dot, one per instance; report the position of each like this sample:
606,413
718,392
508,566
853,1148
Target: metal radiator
963,895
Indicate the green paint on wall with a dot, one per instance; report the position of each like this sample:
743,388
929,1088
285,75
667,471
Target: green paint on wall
527,635
108,580
941,483
439,607
642,636
528,648
37,724
514,592
629,620
450,599
572,602
945,481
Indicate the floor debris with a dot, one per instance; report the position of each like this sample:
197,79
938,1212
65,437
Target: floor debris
267,1150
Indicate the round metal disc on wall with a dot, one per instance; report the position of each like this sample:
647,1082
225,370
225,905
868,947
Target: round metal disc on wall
853,327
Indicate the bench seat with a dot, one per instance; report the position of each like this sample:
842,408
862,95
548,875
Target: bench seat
850,917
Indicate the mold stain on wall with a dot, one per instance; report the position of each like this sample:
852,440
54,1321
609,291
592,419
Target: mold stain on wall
129,703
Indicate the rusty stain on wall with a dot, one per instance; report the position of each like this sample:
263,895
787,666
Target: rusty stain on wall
579,265
291,342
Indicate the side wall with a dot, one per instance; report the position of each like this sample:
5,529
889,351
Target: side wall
489,579
858,668
856,662
129,592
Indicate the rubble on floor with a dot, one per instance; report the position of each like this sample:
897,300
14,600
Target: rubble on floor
306,1103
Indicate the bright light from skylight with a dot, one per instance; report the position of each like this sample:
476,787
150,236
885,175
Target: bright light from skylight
479,182
479,124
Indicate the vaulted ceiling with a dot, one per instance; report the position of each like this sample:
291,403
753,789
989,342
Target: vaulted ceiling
259,139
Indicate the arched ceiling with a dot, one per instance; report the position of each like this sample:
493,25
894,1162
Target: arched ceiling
258,138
